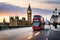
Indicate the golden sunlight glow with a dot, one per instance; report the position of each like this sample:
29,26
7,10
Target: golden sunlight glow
6,16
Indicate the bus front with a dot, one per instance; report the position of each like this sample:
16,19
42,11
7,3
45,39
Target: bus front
36,25
37,22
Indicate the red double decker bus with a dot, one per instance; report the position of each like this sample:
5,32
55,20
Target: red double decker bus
38,22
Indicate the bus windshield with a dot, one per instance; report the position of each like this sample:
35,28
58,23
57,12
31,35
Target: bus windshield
36,23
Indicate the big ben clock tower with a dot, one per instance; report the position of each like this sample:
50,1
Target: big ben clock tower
29,14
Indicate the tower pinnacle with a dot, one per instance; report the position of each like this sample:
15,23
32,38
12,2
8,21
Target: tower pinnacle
29,14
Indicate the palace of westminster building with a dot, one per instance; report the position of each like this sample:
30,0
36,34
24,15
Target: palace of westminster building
17,22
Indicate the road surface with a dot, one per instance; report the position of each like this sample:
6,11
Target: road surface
28,34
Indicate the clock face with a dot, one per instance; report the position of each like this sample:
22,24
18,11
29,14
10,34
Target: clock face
28,11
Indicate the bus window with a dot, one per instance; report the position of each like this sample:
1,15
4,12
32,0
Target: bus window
37,16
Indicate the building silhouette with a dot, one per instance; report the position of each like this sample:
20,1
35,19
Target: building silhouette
15,21
4,21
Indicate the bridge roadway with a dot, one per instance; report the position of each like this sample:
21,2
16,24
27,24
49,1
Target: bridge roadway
28,34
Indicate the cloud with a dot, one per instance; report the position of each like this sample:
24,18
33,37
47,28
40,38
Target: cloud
52,2
42,11
16,9
47,1
11,8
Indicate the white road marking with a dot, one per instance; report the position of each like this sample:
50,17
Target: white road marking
30,37
33,35
47,35
46,38
36,33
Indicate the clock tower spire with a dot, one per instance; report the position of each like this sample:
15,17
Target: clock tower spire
29,14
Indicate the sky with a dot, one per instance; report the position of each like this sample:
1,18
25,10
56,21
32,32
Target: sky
19,8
